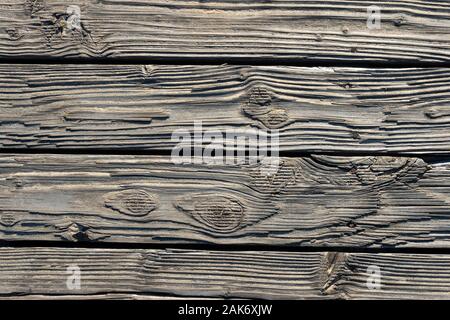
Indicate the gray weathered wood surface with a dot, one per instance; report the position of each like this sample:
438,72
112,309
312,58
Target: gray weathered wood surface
332,30
100,296
316,201
139,107
224,274
312,201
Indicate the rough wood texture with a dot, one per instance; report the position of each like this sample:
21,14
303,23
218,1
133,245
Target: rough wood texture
101,296
139,107
333,30
262,274
314,201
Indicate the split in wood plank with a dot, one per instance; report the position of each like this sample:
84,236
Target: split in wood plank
223,274
140,107
311,201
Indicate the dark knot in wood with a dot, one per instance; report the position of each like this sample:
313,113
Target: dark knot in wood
7,219
275,118
219,212
132,202
14,34
33,6
259,107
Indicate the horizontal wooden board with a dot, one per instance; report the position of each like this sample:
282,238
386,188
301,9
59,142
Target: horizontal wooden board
278,30
100,296
140,107
311,201
231,274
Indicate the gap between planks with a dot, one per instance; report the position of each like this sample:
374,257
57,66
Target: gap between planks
167,153
225,62
221,247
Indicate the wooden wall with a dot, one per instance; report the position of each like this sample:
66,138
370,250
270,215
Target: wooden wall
91,92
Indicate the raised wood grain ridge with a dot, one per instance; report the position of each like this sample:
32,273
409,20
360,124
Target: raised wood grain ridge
311,201
139,107
231,274
332,30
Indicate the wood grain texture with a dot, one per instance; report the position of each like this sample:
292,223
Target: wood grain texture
312,201
140,107
253,274
101,296
333,30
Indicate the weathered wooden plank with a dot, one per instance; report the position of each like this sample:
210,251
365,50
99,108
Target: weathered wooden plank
139,107
257,274
101,296
332,30
311,201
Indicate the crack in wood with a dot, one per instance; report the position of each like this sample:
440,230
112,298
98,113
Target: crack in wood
335,271
100,115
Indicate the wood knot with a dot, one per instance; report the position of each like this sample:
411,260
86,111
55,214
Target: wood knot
385,170
260,96
33,6
275,118
7,219
147,74
258,103
351,224
14,34
399,21
335,265
70,21
333,261
432,113
66,24
355,135
132,202
436,112
221,213
346,85
18,184
74,232
259,107
278,178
